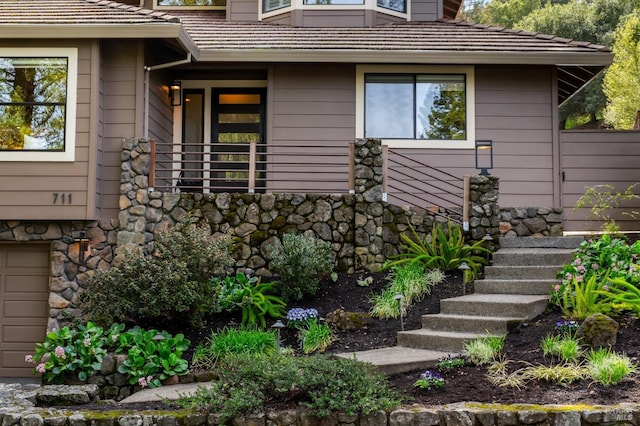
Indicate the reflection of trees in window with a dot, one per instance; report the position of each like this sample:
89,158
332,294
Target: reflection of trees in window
397,5
32,103
442,115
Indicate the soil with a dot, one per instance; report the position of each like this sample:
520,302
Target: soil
468,383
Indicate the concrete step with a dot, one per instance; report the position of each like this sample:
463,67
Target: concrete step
507,305
539,287
548,242
499,272
470,324
442,341
532,257
397,359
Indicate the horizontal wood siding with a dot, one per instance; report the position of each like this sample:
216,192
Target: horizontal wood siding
332,18
383,18
426,10
312,105
592,158
242,10
282,19
120,100
514,109
27,189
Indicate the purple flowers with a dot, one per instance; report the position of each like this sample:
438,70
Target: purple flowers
567,327
429,379
297,317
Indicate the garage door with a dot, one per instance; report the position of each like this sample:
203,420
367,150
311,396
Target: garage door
24,293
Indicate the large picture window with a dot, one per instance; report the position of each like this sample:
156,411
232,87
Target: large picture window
433,107
191,3
37,104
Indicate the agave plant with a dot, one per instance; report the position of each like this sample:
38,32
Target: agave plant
444,248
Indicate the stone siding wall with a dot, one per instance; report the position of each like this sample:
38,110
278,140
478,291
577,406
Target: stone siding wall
362,229
530,222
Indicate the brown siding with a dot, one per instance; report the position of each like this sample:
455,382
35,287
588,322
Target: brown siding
311,105
282,19
514,109
242,10
27,189
592,158
330,18
120,103
426,10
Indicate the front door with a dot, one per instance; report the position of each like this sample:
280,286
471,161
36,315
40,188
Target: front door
218,125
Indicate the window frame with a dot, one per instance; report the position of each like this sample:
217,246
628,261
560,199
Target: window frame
68,154
365,5
467,71
169,7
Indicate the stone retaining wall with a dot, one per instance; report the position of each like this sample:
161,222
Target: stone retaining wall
462,414
530,221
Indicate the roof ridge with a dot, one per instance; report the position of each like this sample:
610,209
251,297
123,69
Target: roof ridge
135,9
533,34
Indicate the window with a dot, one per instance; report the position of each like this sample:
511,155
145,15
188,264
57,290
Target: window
397,5
194,4
430,108
271,5
37,104
333,2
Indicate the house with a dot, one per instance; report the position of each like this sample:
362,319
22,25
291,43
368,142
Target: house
299,78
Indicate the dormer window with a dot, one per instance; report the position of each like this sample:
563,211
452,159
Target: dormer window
190,4
390,7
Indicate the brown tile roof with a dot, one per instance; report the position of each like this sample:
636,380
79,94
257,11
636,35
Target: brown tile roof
56,12
210,33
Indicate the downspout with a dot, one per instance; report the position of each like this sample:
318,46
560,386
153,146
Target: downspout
147,70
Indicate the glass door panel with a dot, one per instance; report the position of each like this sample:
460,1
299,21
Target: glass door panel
191,170
237,120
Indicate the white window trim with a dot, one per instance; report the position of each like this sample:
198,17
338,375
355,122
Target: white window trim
367,5
468,143
166,7
70,119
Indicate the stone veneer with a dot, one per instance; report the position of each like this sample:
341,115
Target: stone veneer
530,221
363,230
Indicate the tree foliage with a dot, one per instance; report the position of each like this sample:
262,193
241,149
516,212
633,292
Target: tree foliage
622,80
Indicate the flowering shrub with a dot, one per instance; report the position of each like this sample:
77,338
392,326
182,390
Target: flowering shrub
69,350
429,379
596,258
300,317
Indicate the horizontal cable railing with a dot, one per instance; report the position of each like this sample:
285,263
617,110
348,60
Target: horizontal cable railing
416,183
251,167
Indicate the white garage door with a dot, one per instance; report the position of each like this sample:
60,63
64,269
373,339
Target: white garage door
24,293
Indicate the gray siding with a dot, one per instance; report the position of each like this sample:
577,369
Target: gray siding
27,188
329,18
311,105
592,158
282,19
242,10
426,10
514,109
120,115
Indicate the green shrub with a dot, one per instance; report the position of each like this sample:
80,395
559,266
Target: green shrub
609,368
169,286
483,350
444,248
315,337
300,262
152,356
77,351
318,383
564,347
582,299
408,280
232,341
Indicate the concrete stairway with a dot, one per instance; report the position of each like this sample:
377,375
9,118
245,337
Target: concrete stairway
515,289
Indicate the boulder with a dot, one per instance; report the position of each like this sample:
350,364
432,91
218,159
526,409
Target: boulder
598,330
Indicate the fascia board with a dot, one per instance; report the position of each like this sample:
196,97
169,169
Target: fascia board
399,56
90,31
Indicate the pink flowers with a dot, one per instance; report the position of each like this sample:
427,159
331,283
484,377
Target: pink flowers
87,341
557,288
145,381
28,358
594,266
59,351
40,368
569,276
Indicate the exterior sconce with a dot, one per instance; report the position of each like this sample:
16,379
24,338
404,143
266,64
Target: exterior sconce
484,156
83,244
175,93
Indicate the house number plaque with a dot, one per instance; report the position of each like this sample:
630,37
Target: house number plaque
62,197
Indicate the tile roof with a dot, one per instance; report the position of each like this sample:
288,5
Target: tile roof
57,12
211,33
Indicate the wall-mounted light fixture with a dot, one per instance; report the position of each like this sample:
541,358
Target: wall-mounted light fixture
175,93
484,156
81,238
